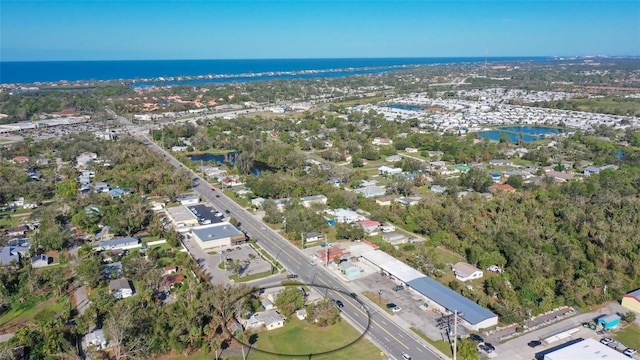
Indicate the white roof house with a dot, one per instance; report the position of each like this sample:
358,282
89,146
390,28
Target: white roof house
385,170
270,319
466,272
371,191
345,216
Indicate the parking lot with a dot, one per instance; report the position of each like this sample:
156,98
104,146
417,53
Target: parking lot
207,213
253,263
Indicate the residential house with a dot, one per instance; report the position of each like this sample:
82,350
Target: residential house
20,159
178,148
281,203
559,176
501,162
84,159
332,252
8,254
117,192
313,236
101,187
411,150
257,202
112,270
407,201
591,170
438,189
40,261
301,314
20,230
435,153
371,191
307,201
466,272
121,243
120,288
385,200
267,304
345,216
387,228
394,238
97,339
393,158
270,319
388,171
169,281
382,141
370,226
168,270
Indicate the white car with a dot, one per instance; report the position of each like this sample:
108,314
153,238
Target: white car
606,341
396,309
629,351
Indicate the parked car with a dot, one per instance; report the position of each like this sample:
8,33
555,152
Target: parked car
606,340
490,346
391,305
485,348
396,309
476,338
534,343
292,276
398,288
629,351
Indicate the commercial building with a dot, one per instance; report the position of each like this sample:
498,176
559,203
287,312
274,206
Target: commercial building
609,321
188,199
214,236
438,296
632,301
587,349
181,217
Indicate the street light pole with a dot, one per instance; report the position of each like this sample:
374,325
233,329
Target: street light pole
379,295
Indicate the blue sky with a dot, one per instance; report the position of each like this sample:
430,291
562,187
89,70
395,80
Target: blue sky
111,29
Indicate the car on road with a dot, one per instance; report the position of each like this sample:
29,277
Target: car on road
238,248
396,309
629,351
292,276
264,228
606,340
406,356
217,195
312,262
229,250
213,189
339,303
391,305
227,211
354,295
398,288
534,343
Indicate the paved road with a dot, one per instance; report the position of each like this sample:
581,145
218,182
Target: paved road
385,332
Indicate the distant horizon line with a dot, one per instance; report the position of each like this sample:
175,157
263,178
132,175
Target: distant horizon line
339,58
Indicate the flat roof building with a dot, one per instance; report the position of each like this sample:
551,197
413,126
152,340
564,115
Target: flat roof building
122,243
587,349
632,301
217,235
181,216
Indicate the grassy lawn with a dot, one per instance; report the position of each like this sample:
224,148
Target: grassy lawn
250,277
27,314
629,337
301,337
441,345
383,302
244,202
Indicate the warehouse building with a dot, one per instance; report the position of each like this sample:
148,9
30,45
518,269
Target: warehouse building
587,349
215,236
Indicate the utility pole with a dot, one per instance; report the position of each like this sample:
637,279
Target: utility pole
455,333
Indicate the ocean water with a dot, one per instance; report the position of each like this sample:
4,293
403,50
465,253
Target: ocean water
53,71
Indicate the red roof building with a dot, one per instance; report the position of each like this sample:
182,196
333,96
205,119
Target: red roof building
20,159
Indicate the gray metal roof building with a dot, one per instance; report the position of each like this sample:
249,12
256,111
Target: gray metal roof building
217,235
475,315
119,243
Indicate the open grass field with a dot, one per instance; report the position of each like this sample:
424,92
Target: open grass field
629,337
18,316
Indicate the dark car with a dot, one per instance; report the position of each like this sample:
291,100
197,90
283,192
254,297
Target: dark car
339,303
391,305
213,189
292,276
476,338
354,295
485,348
227,211
534,343
398,288
489,346
217,195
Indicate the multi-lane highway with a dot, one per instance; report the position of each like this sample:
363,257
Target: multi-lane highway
379,325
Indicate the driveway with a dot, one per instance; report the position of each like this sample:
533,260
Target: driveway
82,301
